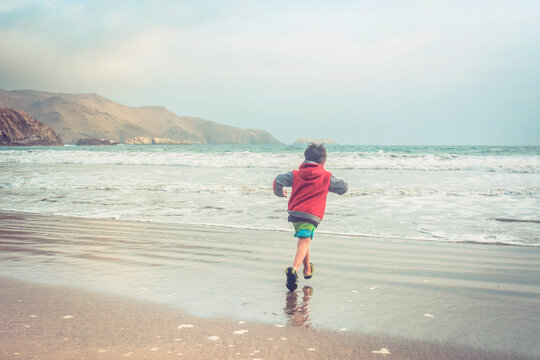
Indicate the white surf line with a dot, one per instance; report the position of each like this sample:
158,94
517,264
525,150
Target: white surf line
517,220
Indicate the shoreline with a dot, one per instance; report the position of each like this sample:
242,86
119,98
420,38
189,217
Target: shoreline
56,322
327,233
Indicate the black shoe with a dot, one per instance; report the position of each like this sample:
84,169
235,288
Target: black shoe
308,276
292,278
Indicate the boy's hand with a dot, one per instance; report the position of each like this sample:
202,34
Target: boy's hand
284,193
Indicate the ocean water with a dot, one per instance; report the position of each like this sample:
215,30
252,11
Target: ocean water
435,193
424,274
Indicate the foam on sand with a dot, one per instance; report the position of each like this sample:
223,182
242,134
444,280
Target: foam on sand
240,332
184,326
382,351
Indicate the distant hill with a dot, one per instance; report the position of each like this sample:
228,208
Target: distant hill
76,116
305,141
17,128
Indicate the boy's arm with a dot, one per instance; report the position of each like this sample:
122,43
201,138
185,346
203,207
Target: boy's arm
280,181
338,186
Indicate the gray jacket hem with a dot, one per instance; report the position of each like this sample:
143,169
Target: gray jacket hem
303,215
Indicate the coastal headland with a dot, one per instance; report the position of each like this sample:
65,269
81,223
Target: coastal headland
79,116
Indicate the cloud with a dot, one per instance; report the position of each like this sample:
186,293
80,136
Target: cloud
257,63
240,41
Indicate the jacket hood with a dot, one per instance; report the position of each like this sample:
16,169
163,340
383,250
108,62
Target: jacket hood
310,170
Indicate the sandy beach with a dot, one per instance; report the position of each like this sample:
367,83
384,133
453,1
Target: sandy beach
108,289
51,322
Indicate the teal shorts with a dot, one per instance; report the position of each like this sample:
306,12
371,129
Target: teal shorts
303,229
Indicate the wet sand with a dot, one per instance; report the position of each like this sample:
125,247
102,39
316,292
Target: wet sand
129,285
51,322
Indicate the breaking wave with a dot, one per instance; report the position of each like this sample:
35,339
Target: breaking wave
248,159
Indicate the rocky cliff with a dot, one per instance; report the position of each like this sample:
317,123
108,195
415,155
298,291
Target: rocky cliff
77,116
157,141
89,141
17,128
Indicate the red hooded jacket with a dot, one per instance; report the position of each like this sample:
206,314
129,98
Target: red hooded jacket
310,186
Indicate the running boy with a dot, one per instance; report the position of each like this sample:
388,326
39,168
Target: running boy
310,185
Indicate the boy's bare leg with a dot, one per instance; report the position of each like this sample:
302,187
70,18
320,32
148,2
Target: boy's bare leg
302,253
307,268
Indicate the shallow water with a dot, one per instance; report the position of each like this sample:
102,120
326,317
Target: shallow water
434,193
483,296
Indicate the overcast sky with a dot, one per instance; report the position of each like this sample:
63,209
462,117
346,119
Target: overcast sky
359,72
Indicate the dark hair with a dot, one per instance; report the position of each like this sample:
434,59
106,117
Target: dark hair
315,152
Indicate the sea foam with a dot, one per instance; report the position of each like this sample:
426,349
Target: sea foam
246,159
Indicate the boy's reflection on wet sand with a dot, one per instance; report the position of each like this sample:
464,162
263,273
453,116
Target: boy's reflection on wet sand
298,314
